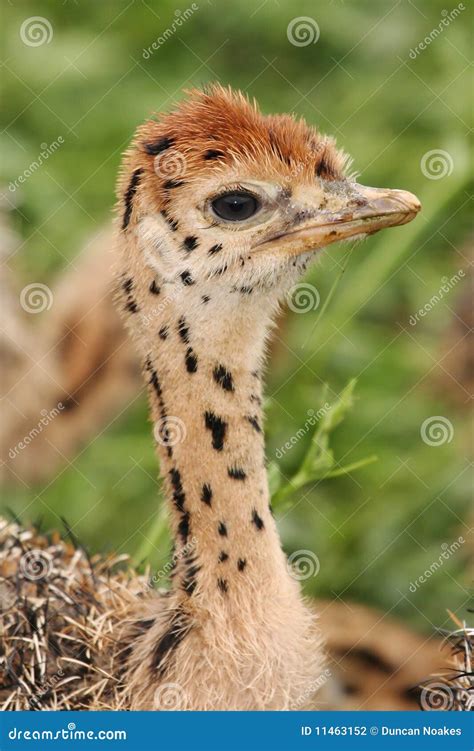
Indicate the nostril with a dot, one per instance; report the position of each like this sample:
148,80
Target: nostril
301,216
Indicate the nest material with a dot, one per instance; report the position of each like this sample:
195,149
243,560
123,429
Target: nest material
453,689
67,621
60,614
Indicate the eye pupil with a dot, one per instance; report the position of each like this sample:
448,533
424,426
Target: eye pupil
235,207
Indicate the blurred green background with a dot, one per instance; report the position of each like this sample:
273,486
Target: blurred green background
374,530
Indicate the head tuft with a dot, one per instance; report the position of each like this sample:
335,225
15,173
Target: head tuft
216,126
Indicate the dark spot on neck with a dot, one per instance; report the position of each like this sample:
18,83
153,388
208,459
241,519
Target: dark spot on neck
241,564
178,493
223,585
154,380
257,520
206,494
189,580
254,423
223,377
205,299
191,361
218,428
163,332
236,473
154,288
223,556
222,529
183,527
183,330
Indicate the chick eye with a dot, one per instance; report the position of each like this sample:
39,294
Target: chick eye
235,207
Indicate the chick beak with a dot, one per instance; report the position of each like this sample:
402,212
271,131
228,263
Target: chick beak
365,211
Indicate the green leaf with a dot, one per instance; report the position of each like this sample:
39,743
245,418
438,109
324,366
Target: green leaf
319,462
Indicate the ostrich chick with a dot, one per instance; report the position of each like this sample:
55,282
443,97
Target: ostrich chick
220,211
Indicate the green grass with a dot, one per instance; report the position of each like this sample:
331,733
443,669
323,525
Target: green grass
375,529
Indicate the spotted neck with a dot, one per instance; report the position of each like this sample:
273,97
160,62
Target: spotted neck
206,405
203,371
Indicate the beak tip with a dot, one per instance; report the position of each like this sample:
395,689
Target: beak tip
411,202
